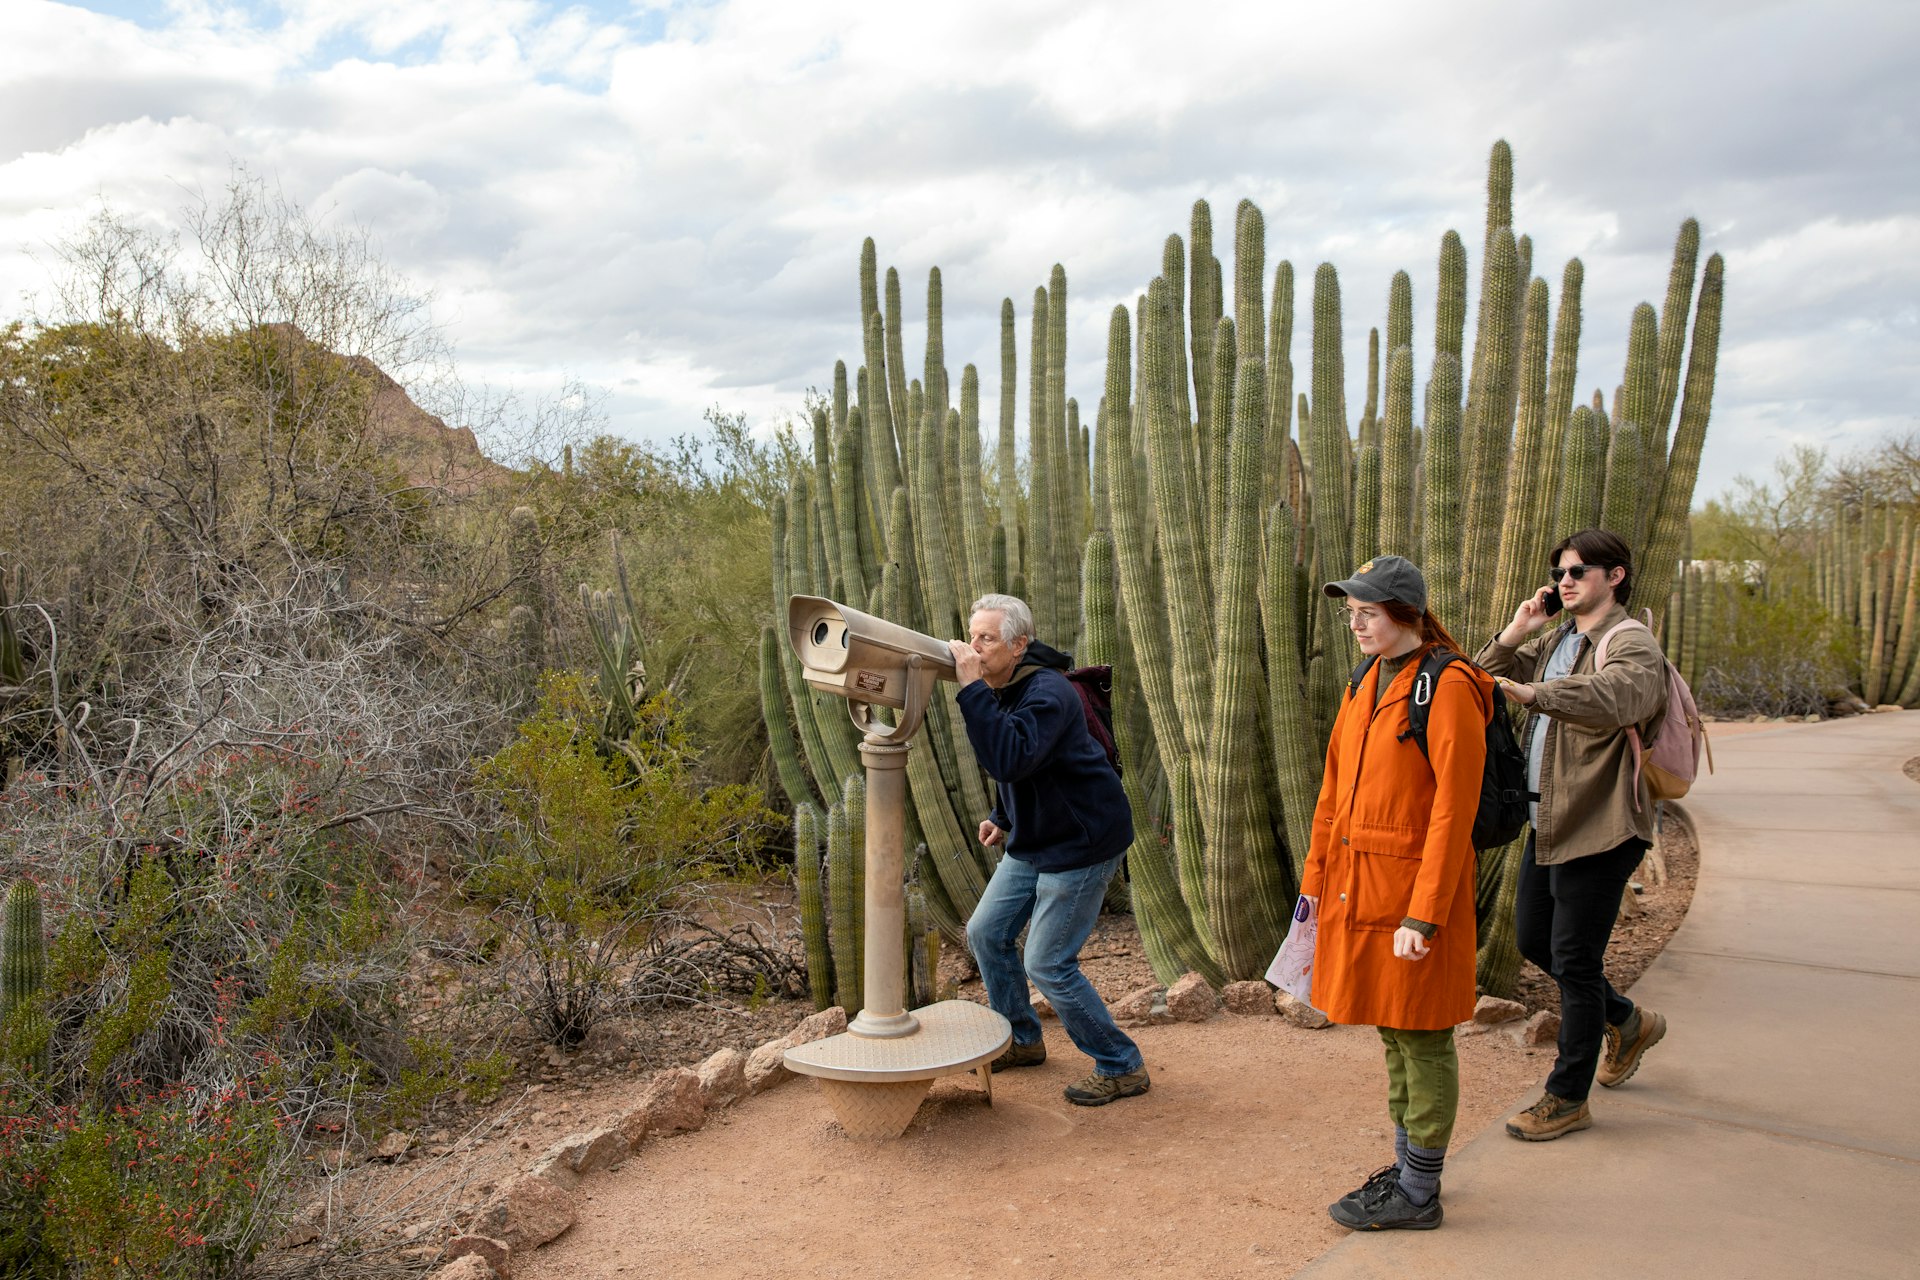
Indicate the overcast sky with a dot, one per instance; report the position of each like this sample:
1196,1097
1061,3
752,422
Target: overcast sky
666,202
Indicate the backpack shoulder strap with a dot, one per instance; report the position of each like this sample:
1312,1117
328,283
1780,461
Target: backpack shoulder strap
1600,648
1420,703
1359,674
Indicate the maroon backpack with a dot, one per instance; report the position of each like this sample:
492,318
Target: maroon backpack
1095,687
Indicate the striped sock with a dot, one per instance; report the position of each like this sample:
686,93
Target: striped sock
1400,1147
1420,1172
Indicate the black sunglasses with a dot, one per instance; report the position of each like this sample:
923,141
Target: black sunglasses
1574,571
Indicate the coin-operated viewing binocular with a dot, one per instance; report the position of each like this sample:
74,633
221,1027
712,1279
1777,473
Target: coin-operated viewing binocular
868,661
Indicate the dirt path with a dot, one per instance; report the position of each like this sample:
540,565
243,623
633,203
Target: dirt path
1224,1169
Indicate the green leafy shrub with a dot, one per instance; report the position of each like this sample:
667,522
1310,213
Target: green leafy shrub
1772,656
594,854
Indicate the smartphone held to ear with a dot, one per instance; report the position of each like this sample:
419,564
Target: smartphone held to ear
1551,602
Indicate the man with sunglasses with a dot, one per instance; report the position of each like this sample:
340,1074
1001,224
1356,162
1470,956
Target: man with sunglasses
1592,815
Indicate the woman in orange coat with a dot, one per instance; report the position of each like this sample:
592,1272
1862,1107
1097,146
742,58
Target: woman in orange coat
1390,874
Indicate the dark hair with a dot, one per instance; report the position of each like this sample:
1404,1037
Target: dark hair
1598,546
1428,626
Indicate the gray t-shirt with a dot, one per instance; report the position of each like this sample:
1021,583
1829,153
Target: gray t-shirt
1559,663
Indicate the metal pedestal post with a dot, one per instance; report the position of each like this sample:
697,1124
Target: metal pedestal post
875,1073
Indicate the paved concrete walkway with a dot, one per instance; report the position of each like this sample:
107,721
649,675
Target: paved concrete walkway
1776,1130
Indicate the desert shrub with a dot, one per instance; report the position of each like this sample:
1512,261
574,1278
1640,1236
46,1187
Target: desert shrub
595,854
1774,656
163,1184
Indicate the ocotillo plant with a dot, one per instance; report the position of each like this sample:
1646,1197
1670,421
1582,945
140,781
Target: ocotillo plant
1220,523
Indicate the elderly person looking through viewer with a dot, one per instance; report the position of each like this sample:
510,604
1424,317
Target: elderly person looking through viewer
1060,812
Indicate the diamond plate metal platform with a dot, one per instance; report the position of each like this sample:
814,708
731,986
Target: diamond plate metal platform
875,1085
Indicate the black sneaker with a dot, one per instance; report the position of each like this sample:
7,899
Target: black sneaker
1020,1055
1372,1187
1381,1205
1373,1183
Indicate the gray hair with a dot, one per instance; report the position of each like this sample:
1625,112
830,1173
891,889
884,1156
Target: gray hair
1016,620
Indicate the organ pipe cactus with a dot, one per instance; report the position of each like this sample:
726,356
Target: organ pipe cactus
1197,584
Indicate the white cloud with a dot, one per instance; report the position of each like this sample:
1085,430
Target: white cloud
669,201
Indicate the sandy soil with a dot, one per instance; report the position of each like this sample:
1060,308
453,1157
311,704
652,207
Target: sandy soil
1224,1169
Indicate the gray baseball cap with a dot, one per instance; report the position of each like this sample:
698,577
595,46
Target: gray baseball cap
1384,578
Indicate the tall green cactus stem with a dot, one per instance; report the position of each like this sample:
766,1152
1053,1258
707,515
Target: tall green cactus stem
1673,324
1399,313
840,405
1519,568
1499,188
825,496
1249,301
1296,744
813,910
1497,966
1006,456
1225,352
882,454
1620,509
1190,852
781,742
1133,549
1173,269
1370,415
842,878
976,526
1440,519
934,377
1241,862
1485,438
1561,376
27,1030
857,555
896,366
1450,301
1683,466
1906,668
1366,503
1326,464
1583,462
1063,441
1396,457
1207,310
1280,377
1040,464
1180,517
1642,390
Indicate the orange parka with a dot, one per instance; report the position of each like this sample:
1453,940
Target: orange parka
1393,839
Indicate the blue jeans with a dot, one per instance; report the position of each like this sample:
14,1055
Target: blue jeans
1062,906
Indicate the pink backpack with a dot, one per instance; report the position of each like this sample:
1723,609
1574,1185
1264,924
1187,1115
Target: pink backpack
1673,760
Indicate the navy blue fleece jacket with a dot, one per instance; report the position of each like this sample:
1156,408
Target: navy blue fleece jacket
1058,799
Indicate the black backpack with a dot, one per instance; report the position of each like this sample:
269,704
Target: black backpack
1095,687
1502,814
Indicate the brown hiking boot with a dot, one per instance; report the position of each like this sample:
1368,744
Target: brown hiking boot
1020,1055
1625,1044
1549,1118
1098,1090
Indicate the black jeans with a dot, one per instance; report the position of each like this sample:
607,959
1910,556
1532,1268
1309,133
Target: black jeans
1563,918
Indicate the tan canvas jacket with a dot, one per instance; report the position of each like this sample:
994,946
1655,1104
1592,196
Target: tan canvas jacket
1587,790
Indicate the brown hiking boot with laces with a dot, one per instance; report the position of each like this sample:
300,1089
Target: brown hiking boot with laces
1020,1055
1625,1044
1098,1090
1549,1118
